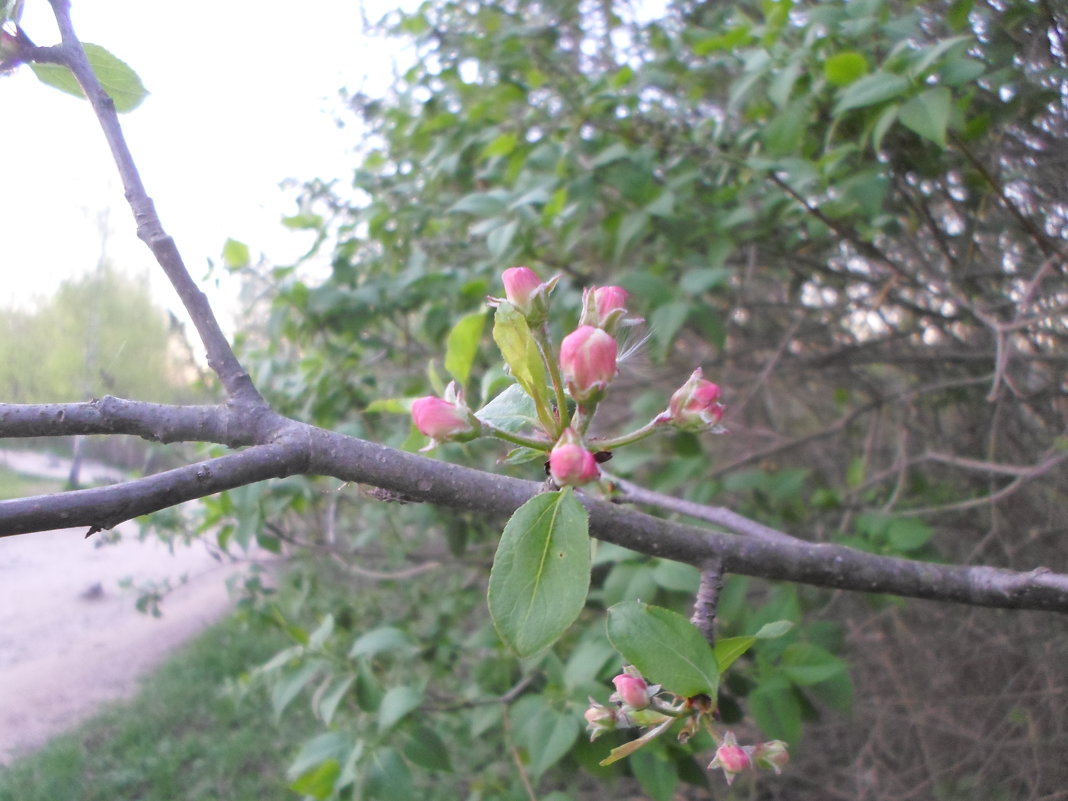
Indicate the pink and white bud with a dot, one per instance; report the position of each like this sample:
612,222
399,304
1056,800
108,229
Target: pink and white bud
604,307
445,419
519,286
631,690
772,755
695,405
570,464
730,757
599,719
588,362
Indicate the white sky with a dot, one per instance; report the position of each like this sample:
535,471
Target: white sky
243,95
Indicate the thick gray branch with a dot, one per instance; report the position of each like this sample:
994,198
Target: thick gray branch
289,447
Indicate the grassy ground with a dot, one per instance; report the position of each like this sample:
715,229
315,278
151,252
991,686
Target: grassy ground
15,485
180,738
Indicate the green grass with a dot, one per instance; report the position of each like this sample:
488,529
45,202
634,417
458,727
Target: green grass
180,738
16,485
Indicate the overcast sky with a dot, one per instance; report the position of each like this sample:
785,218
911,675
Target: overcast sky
244,94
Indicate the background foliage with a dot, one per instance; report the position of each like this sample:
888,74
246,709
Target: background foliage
852,215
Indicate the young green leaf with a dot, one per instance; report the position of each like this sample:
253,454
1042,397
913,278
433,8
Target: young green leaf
520,352
728,649
541,572
461,346
928,114
666,647
116,77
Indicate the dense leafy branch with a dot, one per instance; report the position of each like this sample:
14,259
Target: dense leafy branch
278,446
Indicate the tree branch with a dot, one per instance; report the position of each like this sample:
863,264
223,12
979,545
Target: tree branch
291,447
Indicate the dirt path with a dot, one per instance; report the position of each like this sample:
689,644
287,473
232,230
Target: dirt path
70,637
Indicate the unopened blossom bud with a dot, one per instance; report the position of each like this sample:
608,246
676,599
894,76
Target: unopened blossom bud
632,690
604,307
599,719
519,286
695,405
528,293
588,362
730,757
772,755
445,419
570,464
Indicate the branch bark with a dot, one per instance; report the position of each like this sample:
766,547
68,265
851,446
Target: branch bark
287,447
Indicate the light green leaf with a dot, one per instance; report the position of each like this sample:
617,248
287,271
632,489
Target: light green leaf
869,91
541,572
656,774
116,77
520,352
480,204
512,410
806,663
842,69
927,114
666,647
319,781
501,146
396,704
380,640
728,649
908,534
777,711
235,254
545,733
500,238
461,346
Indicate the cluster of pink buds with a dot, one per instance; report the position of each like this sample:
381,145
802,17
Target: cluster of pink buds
565,386
734,759
637,704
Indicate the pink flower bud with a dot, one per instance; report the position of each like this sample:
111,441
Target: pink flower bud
632,690
588,362
519,286
695,405
570,464
604,307
599,719
730,757
444,419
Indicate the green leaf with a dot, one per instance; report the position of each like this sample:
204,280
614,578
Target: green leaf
541,572
480,204
842,69
806,663
427,750
295,680
728,649
461,346
545,733
116,77
777,711
927,114
501,146
665,323
520,352
512,410
656,775
380,640
666,647
907,534
235,254
870,90
396,704
319,781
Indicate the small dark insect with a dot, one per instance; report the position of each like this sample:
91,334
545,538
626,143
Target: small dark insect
388,496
